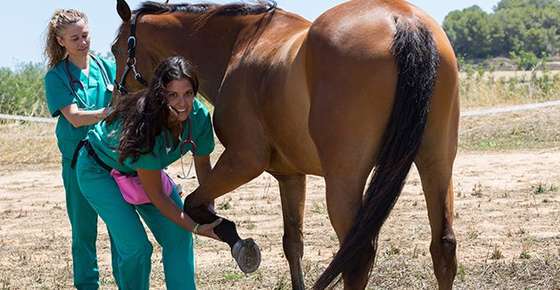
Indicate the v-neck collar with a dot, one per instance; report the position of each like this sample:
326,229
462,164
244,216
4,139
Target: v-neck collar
170,142
85,79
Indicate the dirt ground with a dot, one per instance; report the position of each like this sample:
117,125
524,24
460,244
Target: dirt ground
506,223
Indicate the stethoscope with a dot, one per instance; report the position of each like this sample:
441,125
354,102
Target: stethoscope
72,81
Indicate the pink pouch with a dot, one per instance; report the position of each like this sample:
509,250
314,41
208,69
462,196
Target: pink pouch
132,190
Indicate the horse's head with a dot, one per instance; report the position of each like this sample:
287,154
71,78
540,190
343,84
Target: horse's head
133,67
150,34
205,34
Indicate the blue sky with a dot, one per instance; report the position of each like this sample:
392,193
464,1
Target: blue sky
23,24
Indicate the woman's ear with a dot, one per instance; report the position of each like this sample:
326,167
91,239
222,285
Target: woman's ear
60,41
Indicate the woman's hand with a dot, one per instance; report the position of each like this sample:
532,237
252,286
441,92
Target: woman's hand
79,118
207,230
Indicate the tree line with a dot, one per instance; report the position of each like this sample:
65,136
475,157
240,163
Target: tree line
515,29
21,90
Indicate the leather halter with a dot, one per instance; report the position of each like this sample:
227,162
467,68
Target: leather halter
131,60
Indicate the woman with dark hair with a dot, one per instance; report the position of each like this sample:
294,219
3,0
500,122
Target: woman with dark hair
145,133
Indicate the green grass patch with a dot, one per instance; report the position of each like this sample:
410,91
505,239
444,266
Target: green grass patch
233,276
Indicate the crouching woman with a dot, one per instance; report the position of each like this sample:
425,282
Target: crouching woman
146,132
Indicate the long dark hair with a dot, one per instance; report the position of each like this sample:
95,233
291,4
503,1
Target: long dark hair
145,113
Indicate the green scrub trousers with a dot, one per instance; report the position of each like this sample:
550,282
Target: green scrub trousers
130,240
83,219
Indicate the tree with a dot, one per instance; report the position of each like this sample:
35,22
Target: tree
469,28
21,90
515,26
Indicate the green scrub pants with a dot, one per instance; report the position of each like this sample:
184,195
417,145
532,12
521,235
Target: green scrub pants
131,242
83,221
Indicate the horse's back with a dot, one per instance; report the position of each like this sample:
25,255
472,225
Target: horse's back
352,78
337,80
302,59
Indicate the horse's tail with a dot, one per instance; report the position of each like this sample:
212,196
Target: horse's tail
417,59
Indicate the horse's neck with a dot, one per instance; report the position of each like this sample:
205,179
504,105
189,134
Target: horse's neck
210,49
223,43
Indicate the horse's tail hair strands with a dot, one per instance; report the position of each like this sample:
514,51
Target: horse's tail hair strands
417,59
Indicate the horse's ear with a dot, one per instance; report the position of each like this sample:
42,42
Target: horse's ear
124,10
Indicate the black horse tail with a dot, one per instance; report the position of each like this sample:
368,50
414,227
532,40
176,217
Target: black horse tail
417,59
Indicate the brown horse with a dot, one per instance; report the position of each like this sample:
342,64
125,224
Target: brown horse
370,83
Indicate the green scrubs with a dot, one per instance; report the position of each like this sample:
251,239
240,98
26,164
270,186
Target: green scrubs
99,188
93,95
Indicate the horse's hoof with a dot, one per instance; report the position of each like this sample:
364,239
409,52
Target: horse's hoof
247,255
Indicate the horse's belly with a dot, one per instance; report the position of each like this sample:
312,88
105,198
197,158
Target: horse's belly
298,157
287,122
288,130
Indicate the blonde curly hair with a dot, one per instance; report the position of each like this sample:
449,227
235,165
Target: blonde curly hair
54,52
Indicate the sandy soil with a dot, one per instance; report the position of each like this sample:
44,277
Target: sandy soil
506,222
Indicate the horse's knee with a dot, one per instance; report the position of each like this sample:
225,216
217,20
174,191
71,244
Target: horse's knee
292,239
249,164
293,245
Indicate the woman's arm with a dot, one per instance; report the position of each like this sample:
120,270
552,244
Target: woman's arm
79,118
151,181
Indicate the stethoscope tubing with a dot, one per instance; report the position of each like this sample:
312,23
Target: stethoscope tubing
73,81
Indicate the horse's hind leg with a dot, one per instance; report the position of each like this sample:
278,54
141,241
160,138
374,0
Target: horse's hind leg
344,197
438,190
435,165
292,193
349,112
347,144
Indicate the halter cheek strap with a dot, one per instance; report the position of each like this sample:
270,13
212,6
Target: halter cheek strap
131,60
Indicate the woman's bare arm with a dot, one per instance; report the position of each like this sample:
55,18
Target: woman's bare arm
79,118
151,181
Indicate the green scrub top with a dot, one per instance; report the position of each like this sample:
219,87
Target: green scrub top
94,95
104,139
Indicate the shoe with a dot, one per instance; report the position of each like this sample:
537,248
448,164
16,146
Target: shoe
247,255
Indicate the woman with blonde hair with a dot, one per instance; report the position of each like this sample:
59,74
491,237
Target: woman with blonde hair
78,88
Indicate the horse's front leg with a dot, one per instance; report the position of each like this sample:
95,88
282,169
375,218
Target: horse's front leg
292,192
246,157
233,169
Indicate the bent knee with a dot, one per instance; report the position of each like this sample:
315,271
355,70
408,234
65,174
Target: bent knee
137,251
179,239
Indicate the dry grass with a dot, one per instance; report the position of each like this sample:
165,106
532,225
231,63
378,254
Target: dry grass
27,144
512,131
490,89
506,221
511,213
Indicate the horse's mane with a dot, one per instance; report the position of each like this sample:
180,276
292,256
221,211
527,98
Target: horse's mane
209,9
